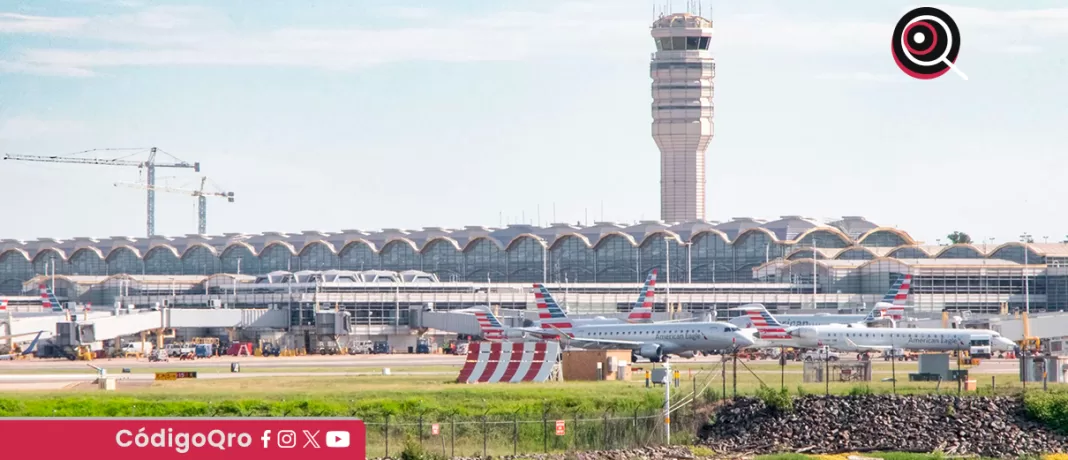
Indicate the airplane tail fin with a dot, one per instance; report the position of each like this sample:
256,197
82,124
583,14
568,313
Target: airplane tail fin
491,327
642,312
48,299
765,323
550,315
547,306
898,297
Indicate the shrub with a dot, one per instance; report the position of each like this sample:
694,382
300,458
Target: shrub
860,390
778,399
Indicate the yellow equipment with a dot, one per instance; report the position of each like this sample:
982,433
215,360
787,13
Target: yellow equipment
1029,343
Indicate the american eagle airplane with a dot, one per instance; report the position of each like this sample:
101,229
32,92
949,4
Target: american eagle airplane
548,310
653,341
856,338
892,306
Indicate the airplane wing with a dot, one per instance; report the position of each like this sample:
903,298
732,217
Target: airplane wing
585,342
868,347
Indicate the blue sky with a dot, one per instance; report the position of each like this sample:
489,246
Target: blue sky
373,114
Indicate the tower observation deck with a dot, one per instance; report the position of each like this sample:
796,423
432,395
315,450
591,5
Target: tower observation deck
682,70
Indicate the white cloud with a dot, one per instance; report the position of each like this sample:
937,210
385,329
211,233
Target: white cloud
24,24
28,127
170,35
162,36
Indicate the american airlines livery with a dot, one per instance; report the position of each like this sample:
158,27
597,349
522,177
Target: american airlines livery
654,341
845,338
891,306
550,315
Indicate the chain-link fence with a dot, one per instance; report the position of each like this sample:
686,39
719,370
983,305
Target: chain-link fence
516,434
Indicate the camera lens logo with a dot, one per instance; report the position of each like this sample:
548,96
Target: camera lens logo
287,439
926,43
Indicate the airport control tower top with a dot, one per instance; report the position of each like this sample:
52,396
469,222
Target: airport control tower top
682,70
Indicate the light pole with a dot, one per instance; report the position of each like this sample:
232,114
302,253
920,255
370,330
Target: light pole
1026,239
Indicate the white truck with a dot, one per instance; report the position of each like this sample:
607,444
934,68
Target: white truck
980,346
820,354
137,347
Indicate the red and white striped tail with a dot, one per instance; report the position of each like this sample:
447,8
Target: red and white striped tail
45,303
3,304
510,362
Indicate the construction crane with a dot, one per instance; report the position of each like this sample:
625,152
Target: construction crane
150,165
202,201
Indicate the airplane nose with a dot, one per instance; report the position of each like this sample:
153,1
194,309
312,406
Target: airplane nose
743,340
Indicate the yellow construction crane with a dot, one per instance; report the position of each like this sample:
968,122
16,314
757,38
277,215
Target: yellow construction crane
148,165
200,194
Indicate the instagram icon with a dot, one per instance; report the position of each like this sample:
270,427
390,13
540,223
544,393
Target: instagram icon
287,439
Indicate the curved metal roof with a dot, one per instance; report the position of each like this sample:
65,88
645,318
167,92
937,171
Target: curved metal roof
787,230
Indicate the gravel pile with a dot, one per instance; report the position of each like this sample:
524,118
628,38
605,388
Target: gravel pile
986,426
654,453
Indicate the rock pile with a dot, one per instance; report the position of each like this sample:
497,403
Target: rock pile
986,426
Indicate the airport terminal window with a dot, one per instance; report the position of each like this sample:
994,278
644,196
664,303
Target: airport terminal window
678,43
239,258
162,260
1016,254
525,258
441,258
482,259
47,259
710,256
318,256
399,255
883,239
616,260
123,260
704,43
13,265
752,249
276,257
87,262
200,260
570,260
909,253
855,254
823,239
693,43
358,255
960,252
652,256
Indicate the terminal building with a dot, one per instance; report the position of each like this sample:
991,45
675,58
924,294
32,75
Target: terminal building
377,277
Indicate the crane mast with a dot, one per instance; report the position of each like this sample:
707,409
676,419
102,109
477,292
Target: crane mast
149,166
200,194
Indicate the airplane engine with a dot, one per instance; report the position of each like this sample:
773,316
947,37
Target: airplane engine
686,355
650,351
804,333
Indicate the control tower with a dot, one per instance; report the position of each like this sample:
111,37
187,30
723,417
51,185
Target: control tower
682,71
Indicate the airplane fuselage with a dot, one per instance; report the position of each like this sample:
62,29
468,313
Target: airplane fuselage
672,338
867,339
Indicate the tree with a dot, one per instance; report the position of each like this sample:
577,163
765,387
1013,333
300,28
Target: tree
959,237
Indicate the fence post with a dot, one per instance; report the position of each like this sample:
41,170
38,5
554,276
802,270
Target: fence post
723,375
420,429
452,436
634,427
574,435
387,435
485,436
515,434
545,428
605,445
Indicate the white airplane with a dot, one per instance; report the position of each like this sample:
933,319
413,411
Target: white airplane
891,307
549,311
862,340
27,351
653,341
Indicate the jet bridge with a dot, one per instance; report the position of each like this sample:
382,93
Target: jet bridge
119,323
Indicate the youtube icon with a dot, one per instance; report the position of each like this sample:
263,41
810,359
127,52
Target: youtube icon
337,439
